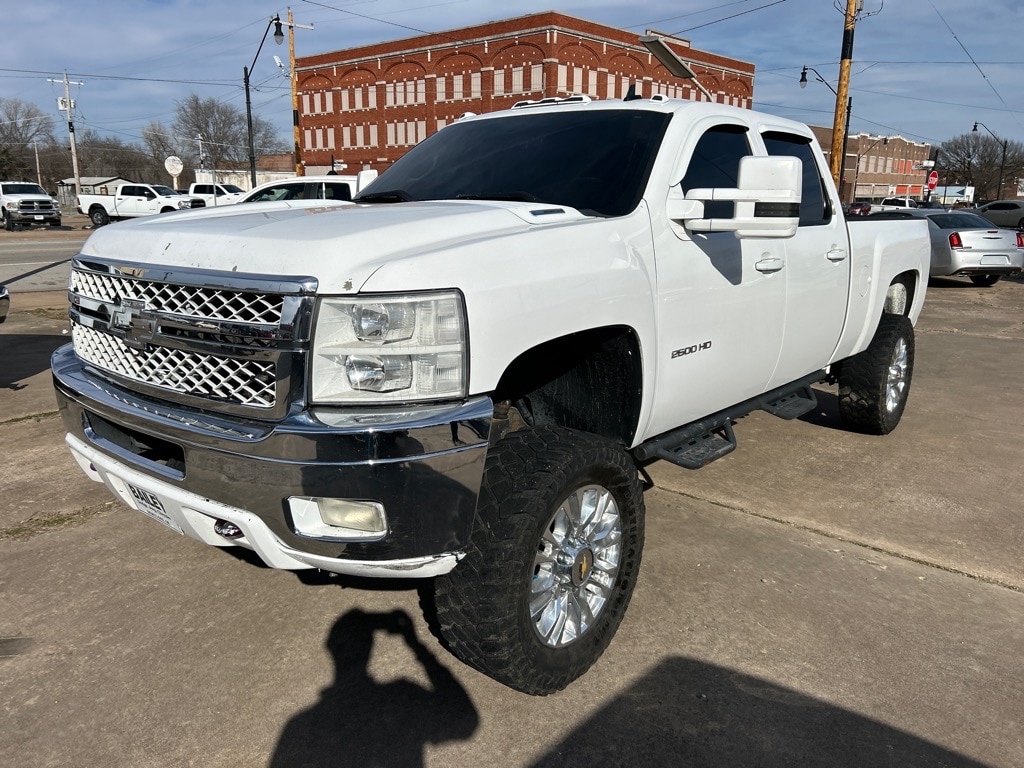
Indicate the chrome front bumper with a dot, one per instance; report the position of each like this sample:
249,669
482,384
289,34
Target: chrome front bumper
423,464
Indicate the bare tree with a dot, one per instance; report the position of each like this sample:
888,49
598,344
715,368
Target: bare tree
24,128
224,133
978,160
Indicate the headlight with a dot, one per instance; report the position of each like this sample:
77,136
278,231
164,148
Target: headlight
385,349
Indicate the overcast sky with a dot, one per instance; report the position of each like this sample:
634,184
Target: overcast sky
923,69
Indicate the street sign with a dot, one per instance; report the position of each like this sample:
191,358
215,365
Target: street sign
933,179
173,165
924,165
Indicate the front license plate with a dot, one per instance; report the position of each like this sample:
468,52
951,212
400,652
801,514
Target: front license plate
38,218
149,504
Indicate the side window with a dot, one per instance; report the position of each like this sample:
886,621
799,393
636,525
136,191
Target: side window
271,193
716,163
814,204
338,191
131,191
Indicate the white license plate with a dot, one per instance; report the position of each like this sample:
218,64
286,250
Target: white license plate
38,218
149,504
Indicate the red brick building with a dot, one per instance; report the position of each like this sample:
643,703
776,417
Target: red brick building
366,106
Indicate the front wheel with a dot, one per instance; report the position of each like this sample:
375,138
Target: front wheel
551,563
874,384
8,223
99,216
984,280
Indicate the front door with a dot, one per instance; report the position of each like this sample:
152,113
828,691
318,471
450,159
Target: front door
721,300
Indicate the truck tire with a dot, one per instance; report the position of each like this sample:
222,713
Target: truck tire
551,563
874,385
99,216
984,280
8,223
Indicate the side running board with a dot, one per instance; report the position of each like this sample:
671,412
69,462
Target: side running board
697,444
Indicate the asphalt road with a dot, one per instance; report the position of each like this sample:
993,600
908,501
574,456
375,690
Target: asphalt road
39,258
815,598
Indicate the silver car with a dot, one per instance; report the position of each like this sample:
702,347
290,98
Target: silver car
963,243
1003,213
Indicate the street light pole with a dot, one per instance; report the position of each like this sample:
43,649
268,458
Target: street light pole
1002,162
278,38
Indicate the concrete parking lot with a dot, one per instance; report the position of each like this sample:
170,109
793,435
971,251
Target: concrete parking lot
815,598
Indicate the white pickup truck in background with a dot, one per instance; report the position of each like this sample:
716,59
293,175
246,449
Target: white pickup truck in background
462,375
25,203
130,201
215,194
894,204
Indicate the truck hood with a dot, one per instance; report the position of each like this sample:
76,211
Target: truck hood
339,244
19,197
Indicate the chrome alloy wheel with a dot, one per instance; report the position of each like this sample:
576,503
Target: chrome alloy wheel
896,381
576,565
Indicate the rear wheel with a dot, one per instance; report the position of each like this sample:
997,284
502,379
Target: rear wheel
552,560
99,216
984,280
874,385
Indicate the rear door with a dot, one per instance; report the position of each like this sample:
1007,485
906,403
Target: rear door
817,268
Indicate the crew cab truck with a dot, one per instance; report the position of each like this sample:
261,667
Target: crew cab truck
23,203
463,375
133,200
215,194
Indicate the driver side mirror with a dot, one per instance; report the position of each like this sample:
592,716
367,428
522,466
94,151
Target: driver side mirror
767,200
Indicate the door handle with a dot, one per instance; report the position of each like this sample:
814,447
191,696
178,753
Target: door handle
769,265
836,254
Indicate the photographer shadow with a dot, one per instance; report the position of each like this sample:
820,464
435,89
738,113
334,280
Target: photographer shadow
360,721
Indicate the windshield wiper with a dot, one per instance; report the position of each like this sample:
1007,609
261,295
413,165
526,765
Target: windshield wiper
388,196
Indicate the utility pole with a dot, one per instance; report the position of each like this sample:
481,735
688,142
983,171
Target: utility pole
69,106
39,172
842,92
300,169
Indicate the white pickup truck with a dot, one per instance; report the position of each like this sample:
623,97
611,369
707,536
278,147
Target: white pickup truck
462,375
130,201
216,194
23,203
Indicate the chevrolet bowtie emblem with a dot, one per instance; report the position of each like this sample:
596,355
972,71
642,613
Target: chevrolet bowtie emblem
133,323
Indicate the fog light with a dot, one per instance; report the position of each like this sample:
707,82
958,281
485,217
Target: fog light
227,530
338,518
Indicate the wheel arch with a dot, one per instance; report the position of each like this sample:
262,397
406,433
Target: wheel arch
901,293
588,380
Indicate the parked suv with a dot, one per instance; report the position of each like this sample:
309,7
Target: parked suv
23,203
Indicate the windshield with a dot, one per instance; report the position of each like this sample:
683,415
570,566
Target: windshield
163,191
232,189
596,161
961,221
23,189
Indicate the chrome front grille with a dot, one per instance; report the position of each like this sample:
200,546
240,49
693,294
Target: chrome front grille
188,300
219,341
246,382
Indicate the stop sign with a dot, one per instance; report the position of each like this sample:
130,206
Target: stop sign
933,179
